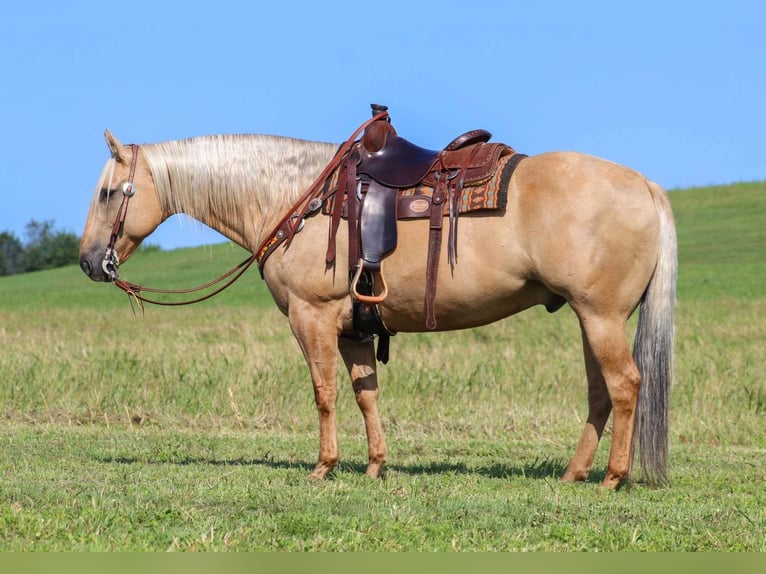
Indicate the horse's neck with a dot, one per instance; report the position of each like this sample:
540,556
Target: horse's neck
243,191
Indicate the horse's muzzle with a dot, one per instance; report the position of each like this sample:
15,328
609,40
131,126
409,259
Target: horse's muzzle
91,265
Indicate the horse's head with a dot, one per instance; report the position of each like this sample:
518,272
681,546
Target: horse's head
124,210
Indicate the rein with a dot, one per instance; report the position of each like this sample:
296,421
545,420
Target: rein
291,223
285,230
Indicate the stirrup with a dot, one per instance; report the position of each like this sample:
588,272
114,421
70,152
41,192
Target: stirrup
369,299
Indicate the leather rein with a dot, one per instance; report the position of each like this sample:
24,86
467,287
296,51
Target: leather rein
285,230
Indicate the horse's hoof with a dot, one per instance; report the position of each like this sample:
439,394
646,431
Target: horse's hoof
374,471
322,469
611,483
571,476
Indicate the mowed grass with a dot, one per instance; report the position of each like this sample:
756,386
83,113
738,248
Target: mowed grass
194,428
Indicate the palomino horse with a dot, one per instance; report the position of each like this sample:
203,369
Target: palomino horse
576,229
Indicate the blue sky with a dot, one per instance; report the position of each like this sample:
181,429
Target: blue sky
673,89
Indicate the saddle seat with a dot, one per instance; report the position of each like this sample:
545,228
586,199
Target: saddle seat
402,164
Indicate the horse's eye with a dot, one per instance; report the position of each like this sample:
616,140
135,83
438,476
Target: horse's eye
106,193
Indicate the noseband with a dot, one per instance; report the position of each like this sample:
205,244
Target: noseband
111,262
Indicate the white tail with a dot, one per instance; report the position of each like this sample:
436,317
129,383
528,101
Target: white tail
653,350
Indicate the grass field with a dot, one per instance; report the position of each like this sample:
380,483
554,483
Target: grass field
194,428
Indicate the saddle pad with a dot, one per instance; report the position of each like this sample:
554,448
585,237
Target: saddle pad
415,202
491,194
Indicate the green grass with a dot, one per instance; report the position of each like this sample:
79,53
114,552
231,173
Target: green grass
723,224
722,241
150,489
67,288
194,428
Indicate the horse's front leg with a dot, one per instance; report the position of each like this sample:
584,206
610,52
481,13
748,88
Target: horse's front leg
317,334
359,358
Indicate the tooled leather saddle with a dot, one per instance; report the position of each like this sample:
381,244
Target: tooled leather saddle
385,178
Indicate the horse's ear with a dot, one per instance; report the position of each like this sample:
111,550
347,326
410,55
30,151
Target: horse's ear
114,146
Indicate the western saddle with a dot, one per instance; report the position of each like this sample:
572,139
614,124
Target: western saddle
385,178
381,178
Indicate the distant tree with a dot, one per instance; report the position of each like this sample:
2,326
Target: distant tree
150,248
11,254
46,248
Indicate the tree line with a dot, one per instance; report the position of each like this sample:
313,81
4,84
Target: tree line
44,248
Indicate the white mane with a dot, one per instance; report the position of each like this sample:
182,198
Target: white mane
234,176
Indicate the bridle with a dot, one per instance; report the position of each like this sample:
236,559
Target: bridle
284,231
111,262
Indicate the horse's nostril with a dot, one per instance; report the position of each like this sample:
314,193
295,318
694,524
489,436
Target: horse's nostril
85,266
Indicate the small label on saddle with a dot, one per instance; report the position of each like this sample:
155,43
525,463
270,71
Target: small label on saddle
419,206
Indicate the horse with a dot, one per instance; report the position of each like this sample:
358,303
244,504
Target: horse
577,230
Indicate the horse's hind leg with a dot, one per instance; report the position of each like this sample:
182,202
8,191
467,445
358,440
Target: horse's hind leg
599,408
359,358
608,352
